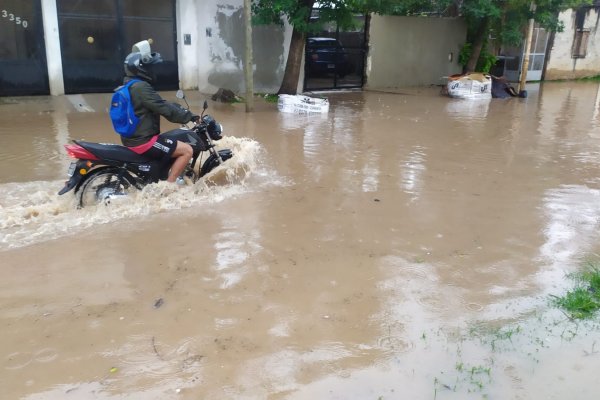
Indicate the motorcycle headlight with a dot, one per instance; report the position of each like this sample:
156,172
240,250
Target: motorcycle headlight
215,130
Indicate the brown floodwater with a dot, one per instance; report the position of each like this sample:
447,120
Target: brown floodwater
402,246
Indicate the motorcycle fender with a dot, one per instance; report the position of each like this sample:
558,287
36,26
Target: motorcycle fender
78,172
213,161
71,183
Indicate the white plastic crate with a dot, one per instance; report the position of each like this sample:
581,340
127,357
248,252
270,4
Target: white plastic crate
300,104
470,86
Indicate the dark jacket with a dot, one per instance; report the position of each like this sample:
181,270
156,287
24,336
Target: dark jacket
149,106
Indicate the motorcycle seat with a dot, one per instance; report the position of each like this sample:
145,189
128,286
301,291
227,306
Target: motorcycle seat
112,151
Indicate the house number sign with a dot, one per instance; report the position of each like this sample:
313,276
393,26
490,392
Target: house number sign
13,18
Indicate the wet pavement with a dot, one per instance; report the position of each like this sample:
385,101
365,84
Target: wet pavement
403,246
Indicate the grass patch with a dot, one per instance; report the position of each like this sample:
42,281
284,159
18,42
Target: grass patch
269,97
595,78
584,300
237,100
591,79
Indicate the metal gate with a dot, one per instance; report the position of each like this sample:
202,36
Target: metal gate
23,68
96,36
335,59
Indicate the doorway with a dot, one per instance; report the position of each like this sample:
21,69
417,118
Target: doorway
96,36
23,67
537,54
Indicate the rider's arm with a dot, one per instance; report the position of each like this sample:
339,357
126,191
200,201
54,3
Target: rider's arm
171,111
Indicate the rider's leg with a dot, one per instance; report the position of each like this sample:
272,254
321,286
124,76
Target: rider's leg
182,155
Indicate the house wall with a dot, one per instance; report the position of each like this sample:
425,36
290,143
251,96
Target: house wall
403,51
560,64
186,14
413,51
215,59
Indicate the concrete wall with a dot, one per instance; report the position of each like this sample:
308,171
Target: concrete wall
215,57
560,63
413,51
186,14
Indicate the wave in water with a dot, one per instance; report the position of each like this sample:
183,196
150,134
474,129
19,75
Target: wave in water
32,212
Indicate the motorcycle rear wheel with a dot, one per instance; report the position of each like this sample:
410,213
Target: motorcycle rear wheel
102,187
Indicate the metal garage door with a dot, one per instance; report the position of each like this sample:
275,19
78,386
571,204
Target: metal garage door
23,68
334,58
96,36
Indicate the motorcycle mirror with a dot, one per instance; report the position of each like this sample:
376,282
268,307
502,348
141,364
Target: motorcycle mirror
205,104
180,95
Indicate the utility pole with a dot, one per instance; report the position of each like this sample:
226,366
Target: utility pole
525,63
249,62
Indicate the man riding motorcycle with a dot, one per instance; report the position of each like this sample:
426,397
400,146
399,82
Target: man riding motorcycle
148,107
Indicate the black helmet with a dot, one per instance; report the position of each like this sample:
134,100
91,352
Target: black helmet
140,61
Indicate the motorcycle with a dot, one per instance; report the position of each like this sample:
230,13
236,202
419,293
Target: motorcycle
104,171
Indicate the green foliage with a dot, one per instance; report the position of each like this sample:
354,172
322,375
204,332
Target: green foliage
580,303
418,7
465,54
270,98
339,11
595,78
505,18
479,9
508,18
273,12
485,61
298,12
510,32
591,277
584,300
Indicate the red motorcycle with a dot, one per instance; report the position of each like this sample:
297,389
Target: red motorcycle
103,171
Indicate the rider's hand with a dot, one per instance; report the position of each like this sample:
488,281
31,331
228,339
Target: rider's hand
195,118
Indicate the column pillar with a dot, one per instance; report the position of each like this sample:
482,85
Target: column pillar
52,42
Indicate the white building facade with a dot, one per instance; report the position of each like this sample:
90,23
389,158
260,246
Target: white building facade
575,52
68,46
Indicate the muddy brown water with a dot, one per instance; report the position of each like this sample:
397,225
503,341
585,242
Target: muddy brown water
403,246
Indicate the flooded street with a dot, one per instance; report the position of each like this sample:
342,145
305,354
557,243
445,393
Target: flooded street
403,246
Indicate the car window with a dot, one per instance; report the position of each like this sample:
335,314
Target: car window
323,43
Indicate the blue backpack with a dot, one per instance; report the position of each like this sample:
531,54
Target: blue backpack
121,113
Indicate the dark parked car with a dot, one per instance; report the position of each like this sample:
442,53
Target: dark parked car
326,55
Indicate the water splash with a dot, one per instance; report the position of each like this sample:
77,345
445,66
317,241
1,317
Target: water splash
32,212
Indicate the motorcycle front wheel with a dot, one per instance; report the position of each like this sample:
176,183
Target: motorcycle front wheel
213,162
103,187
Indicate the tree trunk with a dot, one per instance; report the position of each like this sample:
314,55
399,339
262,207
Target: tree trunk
289,85
249,58
478,42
